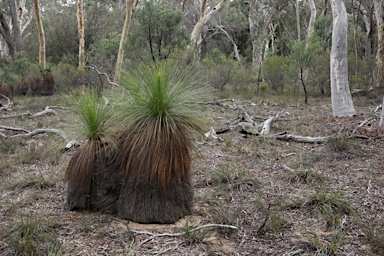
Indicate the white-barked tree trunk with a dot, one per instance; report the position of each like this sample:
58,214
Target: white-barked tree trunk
342,103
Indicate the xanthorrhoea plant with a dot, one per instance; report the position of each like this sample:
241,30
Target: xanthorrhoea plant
80,175
154,148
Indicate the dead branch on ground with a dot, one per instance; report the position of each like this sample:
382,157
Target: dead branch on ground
47,110
6,106
27,134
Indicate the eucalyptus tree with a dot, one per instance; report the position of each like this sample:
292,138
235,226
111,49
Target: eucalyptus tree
80,27
40,29
157,31
120,55
342,104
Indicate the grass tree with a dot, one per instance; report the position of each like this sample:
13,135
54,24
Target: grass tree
154,149
90,157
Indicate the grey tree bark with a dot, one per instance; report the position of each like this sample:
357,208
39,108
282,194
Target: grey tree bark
204,19
342,103
259,19
379,9
15,26
312,19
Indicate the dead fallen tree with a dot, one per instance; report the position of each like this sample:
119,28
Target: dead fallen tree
249,127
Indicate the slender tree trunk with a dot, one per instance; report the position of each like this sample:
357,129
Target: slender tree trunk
312,19
298,20
15,26
40,28
80,27
342,103
204,19
259,19
379,9
6,34
123,40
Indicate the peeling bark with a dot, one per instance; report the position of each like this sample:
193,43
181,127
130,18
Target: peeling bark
342,103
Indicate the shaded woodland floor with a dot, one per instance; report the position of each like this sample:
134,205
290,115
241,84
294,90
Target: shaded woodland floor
283,197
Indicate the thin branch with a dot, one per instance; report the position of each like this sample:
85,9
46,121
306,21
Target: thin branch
104,74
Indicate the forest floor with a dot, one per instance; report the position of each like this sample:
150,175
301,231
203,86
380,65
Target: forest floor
280,197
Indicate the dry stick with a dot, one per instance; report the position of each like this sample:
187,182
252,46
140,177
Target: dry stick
359,126
8,104
182,233
104,74
31,133
47,110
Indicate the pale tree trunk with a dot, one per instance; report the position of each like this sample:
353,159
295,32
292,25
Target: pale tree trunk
5,32
379,9
298,20
259,19
80,26
235,49
40,28
342,103
15,26
312,18
123,40
204,19
369,23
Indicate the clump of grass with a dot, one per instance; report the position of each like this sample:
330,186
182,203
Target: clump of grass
32,181
374,234
332,206
342,144
235,178
34,235
193,237
303,176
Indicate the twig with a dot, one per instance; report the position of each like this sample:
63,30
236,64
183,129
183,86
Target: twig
359,126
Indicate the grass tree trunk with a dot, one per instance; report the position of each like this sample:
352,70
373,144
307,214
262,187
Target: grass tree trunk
80,26
342,103
379,9
123,40
42,60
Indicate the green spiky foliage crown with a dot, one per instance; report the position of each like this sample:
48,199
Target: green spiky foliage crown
158,121
93,114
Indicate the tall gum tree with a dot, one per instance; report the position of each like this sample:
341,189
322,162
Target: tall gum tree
123,40
379,9
42,59
80,24
204,19
342,103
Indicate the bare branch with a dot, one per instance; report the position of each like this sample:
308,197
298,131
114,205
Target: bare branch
104,74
